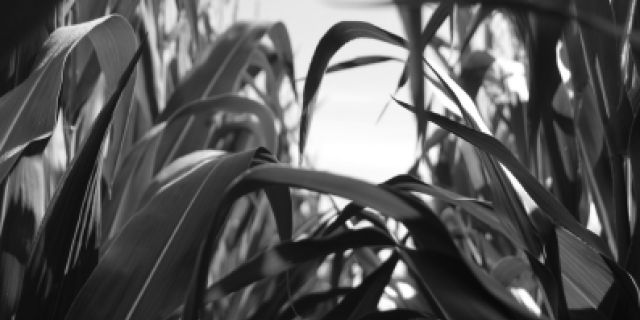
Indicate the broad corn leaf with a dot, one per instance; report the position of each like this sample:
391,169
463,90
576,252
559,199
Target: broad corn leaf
65,250
24,119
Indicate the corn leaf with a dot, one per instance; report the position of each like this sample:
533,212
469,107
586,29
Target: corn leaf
66,246
285,255
305,304
27,192
130,183
398,205
449,280
194,125
23,120
221,66
334,39
509,269
364,298
146,270
485,142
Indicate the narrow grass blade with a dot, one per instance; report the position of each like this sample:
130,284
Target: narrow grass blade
548,204
334,39
411,16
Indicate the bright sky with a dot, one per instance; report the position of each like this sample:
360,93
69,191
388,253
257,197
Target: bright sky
344,136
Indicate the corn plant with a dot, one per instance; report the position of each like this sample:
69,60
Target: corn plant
523,179
146,168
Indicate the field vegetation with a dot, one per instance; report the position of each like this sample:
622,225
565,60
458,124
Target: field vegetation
149,168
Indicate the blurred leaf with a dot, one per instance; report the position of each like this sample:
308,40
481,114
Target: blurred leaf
411,16
474,68
192,127
66,247
282,44
483,13
221,66
190,7
509,269
437,19
27,192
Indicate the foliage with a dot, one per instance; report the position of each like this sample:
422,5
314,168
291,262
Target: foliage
147,169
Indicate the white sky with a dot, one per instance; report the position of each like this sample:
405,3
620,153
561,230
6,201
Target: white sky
344,136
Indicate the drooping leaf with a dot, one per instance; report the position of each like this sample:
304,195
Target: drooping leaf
221,66
192,127
334,39
505,199
483,141
388,201
451,283
287,254
23,118
146,270
65,250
